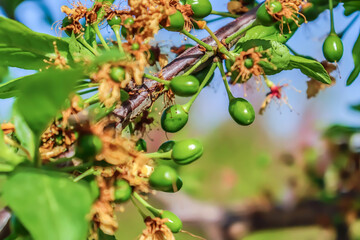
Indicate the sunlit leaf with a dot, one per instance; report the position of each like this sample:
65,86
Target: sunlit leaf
24,48
310,68
62,204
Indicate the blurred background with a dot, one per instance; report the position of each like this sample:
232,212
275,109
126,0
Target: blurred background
293,174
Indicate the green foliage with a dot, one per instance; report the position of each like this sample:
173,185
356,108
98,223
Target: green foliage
340,131
63,204
8,158
42,95
78,51
24,48
4,72
90,35
23,133
268,33
351,6
277,54
310,68
10,88
355,53
10,6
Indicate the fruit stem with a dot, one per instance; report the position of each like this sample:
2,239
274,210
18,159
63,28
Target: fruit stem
87,91
82,40
13,143
268,82
73,168
153,210
138,208
205,45
224,14
332,27
97,31
93,99
165,82
202,60
188,105
88,172
226,84
116,29
221,47
164,155
86,85
241,31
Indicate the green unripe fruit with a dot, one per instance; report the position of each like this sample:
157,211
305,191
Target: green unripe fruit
59,140
174,118
123,191
66,22
202,74
177,22
94,189
141,145
124,32
263,16
129,21
241,111
248,63
88,146
115,21
166,179
117,74
201,8
187,151
166,146
275,6
184,86
333,48
174,223
135,46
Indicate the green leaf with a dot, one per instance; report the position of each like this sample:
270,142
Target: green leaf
277,54
104,236
90,36
23,132
8,158
340,131
272,33
23,48
10,6
356,107
10,88
78,51
42,96
353,75
4,72
351,6
310,68
49,204
355,53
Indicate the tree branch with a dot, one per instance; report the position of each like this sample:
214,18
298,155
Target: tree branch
147,93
